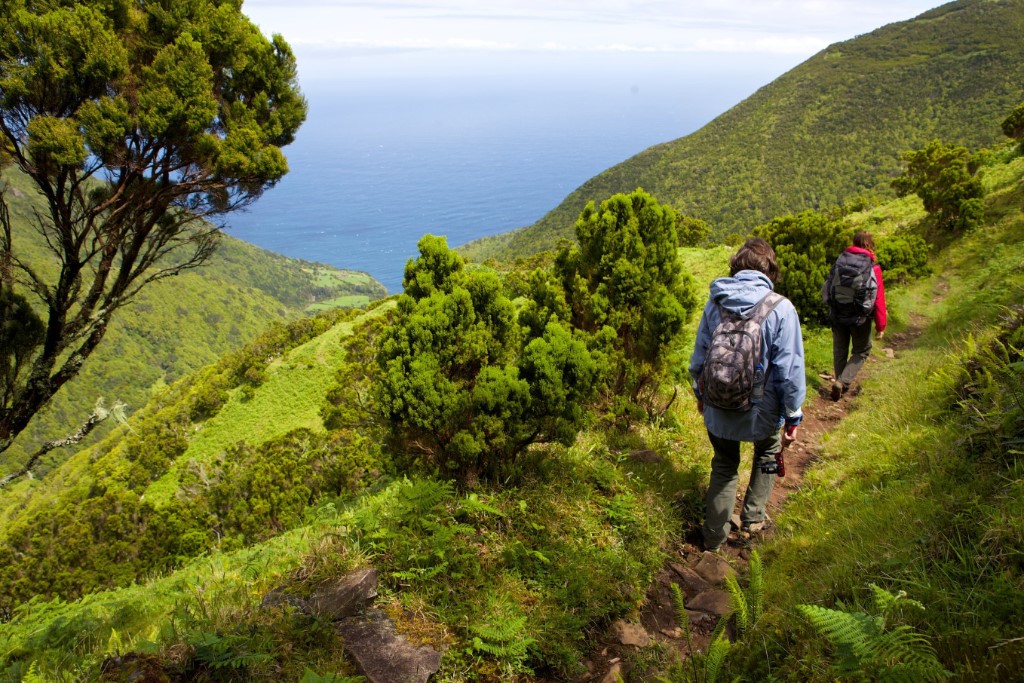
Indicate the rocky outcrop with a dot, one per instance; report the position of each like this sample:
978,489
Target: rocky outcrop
371,639
384,656
345,596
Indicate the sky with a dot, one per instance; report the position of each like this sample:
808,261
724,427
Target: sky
379,36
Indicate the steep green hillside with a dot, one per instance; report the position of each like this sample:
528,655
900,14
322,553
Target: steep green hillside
179,325
831,128
155,548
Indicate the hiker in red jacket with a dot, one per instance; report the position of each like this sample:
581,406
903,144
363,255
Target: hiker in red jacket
855,294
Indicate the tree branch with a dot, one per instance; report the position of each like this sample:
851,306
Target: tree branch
99,414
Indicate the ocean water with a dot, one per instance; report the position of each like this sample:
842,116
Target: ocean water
381,161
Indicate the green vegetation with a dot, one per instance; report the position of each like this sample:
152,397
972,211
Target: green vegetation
920,490
806,245
461,385
624,286
270,471
210,463
136,125
827,131
127,128
176,326
1013,125
903,258
943,177
920,487
867,645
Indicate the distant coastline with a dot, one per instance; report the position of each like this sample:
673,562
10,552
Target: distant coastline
377,165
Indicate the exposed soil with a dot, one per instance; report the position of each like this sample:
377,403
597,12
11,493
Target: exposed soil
821,414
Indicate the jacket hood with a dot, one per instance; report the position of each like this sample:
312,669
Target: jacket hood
861,250
741,292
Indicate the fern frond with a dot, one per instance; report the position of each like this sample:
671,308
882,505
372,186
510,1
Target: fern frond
33,675
719,629
718,648
679,604
423,495
738,603
472,504
501,630
504,638
848,632
755,587
864,647
886,603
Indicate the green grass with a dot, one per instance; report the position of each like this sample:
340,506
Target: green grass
348,301
289,399
901,498
517,580
570,547
67,641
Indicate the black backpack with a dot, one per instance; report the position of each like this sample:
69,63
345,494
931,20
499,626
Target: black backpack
732,377
852,289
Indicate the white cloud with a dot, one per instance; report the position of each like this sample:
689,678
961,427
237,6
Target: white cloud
768,27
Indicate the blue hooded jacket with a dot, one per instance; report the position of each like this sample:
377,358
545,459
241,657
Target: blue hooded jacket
782,351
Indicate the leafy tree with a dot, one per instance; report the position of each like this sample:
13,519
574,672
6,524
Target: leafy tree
806,245
459,382
624,284
903,258
135,121
1013,125
692,232
943,177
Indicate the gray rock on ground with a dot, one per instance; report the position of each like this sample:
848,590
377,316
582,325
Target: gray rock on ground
692,581
713,602
344,596
627,633
714,568
382,655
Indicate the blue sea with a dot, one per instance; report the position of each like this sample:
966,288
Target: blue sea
465,153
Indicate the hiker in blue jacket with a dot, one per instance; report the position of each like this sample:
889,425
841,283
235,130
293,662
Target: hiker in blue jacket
753,271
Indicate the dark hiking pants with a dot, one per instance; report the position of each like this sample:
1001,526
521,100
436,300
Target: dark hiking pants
721,499
847,362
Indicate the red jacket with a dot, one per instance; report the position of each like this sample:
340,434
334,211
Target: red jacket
881,314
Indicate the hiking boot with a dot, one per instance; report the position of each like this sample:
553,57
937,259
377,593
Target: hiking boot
712,549
758,527
837,390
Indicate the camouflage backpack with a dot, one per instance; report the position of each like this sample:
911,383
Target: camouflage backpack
733,378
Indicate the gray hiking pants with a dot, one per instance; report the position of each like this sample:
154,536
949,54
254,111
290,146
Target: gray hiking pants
721,499
845,362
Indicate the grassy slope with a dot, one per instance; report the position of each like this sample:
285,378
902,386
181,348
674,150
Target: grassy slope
289,399
576,544
177,326
902,497
896,500
829,129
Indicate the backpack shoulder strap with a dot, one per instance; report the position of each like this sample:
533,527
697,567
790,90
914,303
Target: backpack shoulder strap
765,307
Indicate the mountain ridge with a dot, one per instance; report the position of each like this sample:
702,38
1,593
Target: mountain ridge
829,129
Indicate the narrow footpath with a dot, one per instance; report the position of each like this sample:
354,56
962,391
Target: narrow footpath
700,574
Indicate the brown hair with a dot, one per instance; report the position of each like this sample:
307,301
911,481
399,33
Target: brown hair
755,254
864,240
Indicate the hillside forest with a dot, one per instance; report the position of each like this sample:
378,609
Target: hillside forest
513,448
477,440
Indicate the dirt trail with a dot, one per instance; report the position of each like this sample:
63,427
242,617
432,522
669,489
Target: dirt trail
690,566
